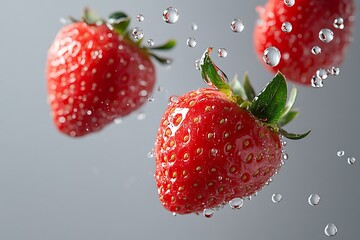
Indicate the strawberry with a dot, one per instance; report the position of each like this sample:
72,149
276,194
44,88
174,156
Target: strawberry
308,18
220,143
96,73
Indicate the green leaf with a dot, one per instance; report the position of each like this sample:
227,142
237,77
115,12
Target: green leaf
290,102
269,104
237,88
91,17
166,46
285,119
119,21
162,60
249,90
213,75
293,136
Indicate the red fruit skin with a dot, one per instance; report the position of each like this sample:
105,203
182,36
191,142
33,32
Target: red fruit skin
209,151
94,76
307,17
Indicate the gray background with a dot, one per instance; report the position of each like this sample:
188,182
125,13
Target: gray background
102,186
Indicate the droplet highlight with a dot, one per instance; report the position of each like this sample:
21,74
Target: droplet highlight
316,50
326,35
140,17
272,56
286,27
171,15
222,52
137,33
237,25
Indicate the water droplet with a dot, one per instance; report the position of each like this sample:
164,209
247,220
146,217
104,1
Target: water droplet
222,52
334,71
326,35
137,33
272,56
289,3
174,214
276,197
237,25
118,120
285,156
191,42
151,99
214,151
173,99
151,154
194,27
171,15
340,153
150,42
286,27
283,143
330,230
208,213
197,64
314,199
140,17
89,112
236,203
339,23
316,50
322,73
141,116
351,160
316,82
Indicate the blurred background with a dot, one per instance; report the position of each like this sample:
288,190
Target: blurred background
102,186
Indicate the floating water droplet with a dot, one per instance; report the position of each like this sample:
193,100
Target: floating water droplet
272,56
316,50
340,153
194,27
208,213
151,99
141,116
339,23
330,230
140,17
289,3
351,160
236,203
197,64
322,73
118,120
334,71
276,197
171,15
222,52
286,27
150,42
314,199
326,35
137,33
316,82
151,154
237,25
174,214
191,42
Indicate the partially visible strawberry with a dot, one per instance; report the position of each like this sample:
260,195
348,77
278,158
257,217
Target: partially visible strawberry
217,144
96,73
307,17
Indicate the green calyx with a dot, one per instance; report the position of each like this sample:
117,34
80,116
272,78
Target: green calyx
119,23
270,106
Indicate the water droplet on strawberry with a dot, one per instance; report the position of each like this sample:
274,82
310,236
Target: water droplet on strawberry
222,52
171,15
351,160
208,213
236,203
140,17
137,33
285,156
237,25
150,42
194,27
316,50
330,230
340,153
316,82
276,197
334,71
118,120
339,23
314,199
151,99
326,35
322,73
191,42
173,99
286,27
289,3
272,56
214,151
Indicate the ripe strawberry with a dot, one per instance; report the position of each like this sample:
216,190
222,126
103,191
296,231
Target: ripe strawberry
213,146
307,17
96,73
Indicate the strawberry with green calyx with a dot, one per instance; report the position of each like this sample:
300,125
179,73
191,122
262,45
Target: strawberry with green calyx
220,143
96,73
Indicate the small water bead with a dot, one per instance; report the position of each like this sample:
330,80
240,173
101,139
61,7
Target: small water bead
222,52
316,82
171,15
339,23
314,199
208,213
330,230
272,56
286,27
316,50
289,3
236,203
137,33
150,42
151,99
276,197
326,35
197,64
214,151
351,160
141,116
194,27
191,42
285,156
237,25
140,17
151,154
174,214
173,99
334,71
340,153
118,120
322,73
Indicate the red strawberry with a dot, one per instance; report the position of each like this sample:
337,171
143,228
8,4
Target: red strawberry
96,73
307,17
213,146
